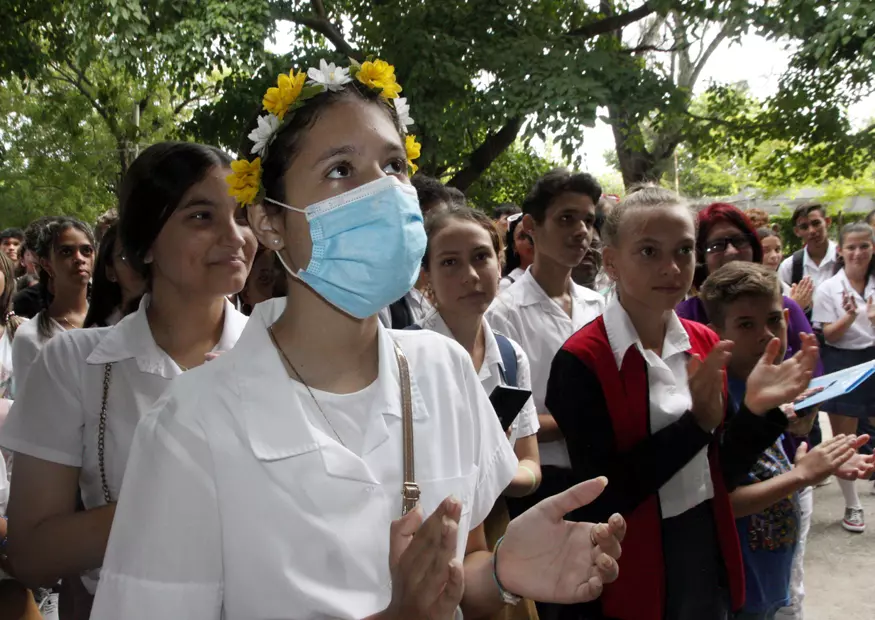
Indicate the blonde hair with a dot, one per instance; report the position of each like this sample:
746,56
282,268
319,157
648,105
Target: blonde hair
640,196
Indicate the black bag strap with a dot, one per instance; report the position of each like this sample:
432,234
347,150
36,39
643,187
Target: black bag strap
402,316
508,360
798,266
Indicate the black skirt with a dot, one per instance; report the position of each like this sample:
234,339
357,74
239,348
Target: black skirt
861,402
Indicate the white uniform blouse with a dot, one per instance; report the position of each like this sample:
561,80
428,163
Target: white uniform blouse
526,423
240,503
26,347
56,415
828,309
526,314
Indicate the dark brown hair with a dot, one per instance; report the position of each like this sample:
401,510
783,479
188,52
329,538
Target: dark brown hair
555,183
437,220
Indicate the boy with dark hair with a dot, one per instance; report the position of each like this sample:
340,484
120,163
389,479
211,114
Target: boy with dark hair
817,259
11,241
544,307
433,194
744,304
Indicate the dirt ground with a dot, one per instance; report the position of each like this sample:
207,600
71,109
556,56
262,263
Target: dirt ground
840,566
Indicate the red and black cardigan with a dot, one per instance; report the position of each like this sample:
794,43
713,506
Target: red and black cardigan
604,414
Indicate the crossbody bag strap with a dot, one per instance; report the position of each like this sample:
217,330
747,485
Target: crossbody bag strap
409,490
101,433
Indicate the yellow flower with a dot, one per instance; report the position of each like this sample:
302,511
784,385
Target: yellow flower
414,149
245,180
278,100
379,74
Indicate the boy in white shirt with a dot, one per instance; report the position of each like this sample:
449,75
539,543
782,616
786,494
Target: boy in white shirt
542,309
817,259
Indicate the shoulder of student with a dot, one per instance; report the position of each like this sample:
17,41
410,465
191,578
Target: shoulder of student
427,348
589,296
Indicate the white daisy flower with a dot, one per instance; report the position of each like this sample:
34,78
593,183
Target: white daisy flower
330,76
403,110
263,135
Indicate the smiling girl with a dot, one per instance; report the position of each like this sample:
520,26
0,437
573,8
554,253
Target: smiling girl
295,469
72,424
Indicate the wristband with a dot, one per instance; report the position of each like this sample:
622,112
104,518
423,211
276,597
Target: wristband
506,597
534,484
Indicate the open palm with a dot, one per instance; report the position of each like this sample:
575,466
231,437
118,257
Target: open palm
545,558
773,383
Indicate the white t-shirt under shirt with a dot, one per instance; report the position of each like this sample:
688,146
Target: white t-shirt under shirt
26,347
670,399
263,513
526,314
56,415
828,309
818,273
526,423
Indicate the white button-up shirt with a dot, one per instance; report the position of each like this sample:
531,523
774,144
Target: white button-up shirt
818,273
526,423
240,503
670,398
56,414
526,314
510,278
828,309
26,347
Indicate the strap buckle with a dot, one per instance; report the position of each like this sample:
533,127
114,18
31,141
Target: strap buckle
410,493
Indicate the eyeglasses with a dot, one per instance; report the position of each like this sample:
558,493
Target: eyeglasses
718,246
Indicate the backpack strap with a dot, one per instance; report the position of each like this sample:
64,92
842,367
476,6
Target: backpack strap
798,266
508,360
402,316
413,327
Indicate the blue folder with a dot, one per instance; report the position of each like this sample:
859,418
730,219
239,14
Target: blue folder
837,384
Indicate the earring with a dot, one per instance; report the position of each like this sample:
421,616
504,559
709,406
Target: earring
276,241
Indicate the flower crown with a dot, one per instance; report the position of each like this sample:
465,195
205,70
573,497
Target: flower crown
289,95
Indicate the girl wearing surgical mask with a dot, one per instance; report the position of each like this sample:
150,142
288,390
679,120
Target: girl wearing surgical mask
72,423
340,438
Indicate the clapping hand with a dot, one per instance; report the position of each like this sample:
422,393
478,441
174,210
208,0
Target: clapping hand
706,385
803,292
773,382
849,303
545,558
870,309
824,460
859,466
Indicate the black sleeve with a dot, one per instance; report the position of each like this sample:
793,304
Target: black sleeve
744,438
27,303
576,401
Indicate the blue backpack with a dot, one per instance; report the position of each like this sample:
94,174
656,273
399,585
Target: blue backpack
508,358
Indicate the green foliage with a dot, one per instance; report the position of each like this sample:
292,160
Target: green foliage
508,179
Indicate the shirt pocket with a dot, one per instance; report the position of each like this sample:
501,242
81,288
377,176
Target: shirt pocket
433,492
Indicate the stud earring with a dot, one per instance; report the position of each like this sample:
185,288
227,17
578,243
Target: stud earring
276,241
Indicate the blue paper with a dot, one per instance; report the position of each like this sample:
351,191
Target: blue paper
837,384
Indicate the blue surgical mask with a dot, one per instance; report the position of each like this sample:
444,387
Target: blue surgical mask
368,245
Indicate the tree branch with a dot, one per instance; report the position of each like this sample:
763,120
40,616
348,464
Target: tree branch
656,48
319,8
706,54
494,145
320,23
612,23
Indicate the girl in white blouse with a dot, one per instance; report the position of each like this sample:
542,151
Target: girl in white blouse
72,423
280,466
66,254
844,307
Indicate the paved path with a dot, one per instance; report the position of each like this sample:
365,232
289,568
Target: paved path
840,566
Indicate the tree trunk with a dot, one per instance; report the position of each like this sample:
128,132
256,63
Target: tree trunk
637,164
483,156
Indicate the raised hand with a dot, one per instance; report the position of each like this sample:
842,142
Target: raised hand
803,292
859,466
870,310
773,382
545,558
817,465
427,579
706,385
849,302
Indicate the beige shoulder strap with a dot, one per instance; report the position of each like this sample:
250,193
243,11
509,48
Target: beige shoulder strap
409,490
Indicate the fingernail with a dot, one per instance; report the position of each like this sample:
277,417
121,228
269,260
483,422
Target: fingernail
604,561
603,480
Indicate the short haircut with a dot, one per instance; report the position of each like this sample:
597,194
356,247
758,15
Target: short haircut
639,197
554,184
432,192
759,217
806,210
505,208
734,281
12,233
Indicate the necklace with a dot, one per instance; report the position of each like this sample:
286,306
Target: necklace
67,321
304,383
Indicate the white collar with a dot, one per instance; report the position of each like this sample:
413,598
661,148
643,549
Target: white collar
527,292
132,338
622,335
492,354
271,409
828,258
